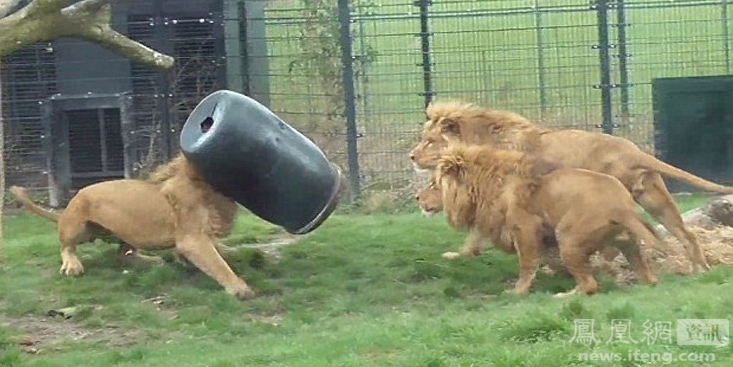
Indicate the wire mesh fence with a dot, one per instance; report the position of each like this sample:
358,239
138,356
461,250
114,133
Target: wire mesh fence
359,95
76,114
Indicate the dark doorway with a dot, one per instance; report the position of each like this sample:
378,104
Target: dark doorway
95,146
89,139
694,122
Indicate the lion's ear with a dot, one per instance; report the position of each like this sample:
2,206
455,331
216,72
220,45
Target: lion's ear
452,165
449,127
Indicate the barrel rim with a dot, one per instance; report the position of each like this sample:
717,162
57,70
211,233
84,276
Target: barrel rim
330,206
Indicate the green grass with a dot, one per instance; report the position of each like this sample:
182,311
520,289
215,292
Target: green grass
362,290
692,201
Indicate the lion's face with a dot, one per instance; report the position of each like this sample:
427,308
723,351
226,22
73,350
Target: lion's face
426,153
430,199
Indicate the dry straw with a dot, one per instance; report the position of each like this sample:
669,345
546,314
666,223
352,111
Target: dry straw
717,243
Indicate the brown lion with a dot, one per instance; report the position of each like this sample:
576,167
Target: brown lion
430,202
512,198
638,171
174,208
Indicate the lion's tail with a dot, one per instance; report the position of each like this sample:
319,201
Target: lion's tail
670,171
644,231
21,195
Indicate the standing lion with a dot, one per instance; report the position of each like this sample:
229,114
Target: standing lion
639,172
513,198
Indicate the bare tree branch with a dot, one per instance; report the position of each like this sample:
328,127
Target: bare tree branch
46,20
47,6
117,42
102,34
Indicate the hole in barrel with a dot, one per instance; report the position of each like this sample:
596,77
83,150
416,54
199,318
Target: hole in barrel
207,124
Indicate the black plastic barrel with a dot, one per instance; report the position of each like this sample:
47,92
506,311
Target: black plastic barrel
249,154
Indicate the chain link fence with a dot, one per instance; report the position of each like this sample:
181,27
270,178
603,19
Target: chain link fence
354,76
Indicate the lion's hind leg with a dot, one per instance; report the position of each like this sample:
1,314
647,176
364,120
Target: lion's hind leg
653,196
632,252
575,251
631,248
71,233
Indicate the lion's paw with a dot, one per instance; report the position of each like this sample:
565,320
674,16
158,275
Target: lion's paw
241,291
451,255
522,288
72,267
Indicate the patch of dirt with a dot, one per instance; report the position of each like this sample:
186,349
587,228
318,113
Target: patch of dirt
716,242
40,334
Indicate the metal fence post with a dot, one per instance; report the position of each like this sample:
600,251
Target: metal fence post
243,44
347,59
540,60
363,77
623,57
162,96
427,63
220,39
726,33
601,8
